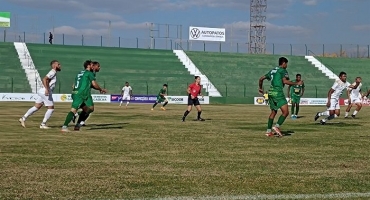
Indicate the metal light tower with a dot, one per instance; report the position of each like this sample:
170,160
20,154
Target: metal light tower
257,37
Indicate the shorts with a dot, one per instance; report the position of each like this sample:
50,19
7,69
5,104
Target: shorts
46,100
276,102
355,100
334,104
295,99
161,99
126,97
79,102
194,101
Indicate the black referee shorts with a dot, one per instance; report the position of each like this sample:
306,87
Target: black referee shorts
194,101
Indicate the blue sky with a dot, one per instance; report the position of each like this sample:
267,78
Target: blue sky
288,21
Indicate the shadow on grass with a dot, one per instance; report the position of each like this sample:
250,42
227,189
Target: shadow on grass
337,124
106,126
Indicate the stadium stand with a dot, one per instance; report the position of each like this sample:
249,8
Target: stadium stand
352,66
237,74
12,76
146,70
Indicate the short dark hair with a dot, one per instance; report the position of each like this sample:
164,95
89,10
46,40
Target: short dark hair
195,77
342,73
126,82
297,75
52,62
87,63
95,63
165,85
282,60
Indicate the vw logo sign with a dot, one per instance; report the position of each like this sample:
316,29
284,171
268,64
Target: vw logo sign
195,33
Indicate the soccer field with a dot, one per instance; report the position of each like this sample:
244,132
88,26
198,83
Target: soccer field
136,153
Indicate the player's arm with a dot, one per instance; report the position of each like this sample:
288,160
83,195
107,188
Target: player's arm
73,86
354,86
130,92
122,92
188,90
260,84
289,91
330,93
302,90
288,82
200,91
45,82
97,87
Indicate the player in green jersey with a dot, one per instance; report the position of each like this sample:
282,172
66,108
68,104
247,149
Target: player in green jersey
81,95
161,97
279,77
295,92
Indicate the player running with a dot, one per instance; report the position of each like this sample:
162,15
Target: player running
94,69
126,94
81,94
161,97
194,90
333,108
295,92
354,98
45,96
279,77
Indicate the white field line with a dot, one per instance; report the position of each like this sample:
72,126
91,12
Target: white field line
271,197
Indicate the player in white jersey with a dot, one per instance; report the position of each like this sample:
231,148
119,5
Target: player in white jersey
333,108
354,98
45,96
126,94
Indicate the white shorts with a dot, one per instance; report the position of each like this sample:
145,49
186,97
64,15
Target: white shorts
334,104
356,100
46,100
126,97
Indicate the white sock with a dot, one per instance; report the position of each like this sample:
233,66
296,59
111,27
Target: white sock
268,131
48,114
120,103
30,112
355,112
347,114
82,122
325,113
127,103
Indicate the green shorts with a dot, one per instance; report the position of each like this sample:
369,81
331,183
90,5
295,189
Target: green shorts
78,101
160,99
276,102
295,99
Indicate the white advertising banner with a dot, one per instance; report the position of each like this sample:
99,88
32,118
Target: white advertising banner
304,101
98,98
184,100
207,34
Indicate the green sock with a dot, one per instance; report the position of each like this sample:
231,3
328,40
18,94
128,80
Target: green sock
69,118
292,110
281,120
297,110
269,123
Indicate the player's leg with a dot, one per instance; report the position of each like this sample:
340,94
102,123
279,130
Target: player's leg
86,111
35,108
199,109
270,121
358,108
49,103
159,100
283,105
273,108
292,100
297,101
165,103
76,104
324,113
348,108
127,100
120,103
334,111
190,106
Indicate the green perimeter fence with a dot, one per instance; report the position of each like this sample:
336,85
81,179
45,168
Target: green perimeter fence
236,46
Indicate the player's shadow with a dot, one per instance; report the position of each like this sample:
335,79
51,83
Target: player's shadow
287,133
204,119
298,117
338,124
106,126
